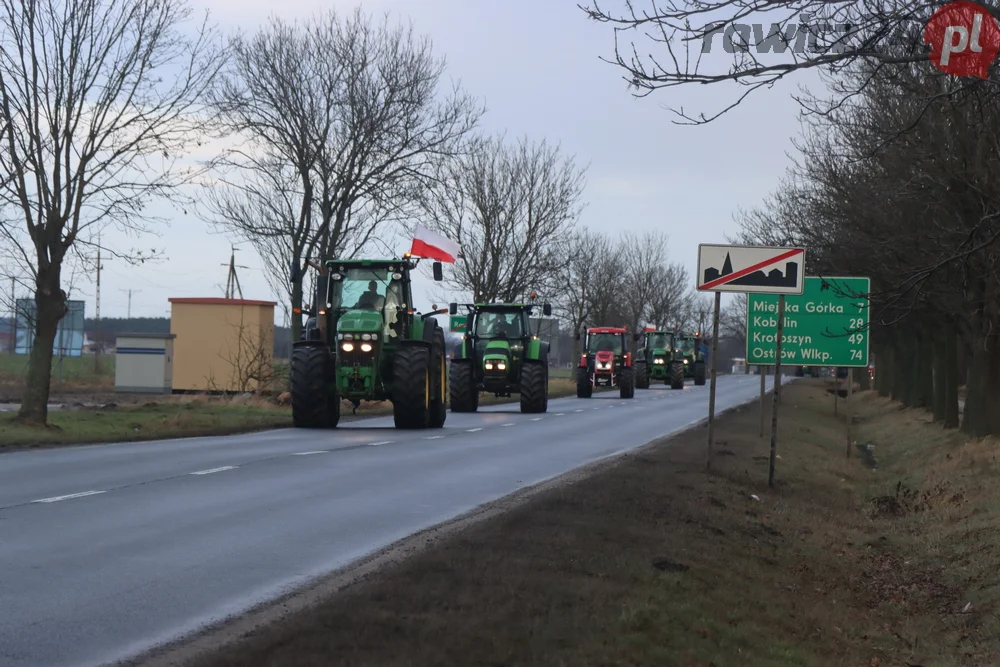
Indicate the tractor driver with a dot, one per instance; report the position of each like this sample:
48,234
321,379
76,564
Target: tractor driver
370,298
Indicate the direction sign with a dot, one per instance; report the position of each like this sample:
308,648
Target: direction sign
751,269
824,326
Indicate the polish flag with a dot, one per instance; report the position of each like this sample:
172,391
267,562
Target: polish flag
431,245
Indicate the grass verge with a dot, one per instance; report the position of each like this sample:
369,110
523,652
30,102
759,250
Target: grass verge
185,416
884,558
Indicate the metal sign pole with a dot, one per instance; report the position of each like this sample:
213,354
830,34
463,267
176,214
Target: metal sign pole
711,389
763,378
777,390
850,417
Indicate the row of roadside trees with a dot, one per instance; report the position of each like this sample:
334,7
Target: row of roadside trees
895,176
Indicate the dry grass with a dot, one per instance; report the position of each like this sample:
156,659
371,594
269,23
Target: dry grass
655,562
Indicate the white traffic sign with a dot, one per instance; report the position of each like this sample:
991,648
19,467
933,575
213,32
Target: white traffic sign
751,269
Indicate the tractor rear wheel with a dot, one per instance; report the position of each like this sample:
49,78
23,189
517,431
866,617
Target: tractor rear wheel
439,383
699,372
312,407
411,388
583,387
676,375
641,375
534,387
626,383
463,393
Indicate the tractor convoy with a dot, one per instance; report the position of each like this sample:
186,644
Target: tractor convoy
365,341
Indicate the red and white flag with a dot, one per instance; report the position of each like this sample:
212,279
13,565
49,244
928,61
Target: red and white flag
431,245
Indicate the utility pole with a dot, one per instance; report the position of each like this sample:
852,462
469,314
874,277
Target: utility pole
13,314
130,290
97,307
232,280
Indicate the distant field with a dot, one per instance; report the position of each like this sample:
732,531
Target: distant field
86,371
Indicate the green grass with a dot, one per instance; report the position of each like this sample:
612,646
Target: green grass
85,371
148,422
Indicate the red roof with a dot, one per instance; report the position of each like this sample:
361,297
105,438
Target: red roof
607,330
219,301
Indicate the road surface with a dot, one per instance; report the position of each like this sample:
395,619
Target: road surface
107,551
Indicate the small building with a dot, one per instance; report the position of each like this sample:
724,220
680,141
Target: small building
222,345
144,363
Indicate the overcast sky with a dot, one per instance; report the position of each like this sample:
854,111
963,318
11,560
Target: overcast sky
536,66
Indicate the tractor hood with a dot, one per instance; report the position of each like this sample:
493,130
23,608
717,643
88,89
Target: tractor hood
360,321
497,349
605,356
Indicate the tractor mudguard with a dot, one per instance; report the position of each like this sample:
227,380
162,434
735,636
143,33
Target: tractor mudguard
308,343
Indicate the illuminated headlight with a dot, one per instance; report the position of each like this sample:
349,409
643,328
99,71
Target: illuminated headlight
347,347
659,361
685,361
604,365
489,365
366,347
501,365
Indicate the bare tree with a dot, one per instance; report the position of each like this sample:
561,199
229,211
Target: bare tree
586,282
511,209
98,100
733,319
343,121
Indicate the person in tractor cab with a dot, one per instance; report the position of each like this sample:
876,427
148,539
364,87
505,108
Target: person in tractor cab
370,298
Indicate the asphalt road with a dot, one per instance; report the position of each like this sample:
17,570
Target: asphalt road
106,551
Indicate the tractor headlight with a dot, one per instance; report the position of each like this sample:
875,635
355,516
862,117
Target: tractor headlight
501,365
685,361
658,361
347,336
366,347
347,347
366,336
489,365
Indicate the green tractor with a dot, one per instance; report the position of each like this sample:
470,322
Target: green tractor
366,342
500,355
658,359
688,350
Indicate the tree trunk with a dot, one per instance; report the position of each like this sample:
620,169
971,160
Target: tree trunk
973,420
951,375
50,303
926,373
940,376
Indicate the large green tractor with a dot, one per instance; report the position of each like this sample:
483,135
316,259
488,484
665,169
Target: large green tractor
500,355
658,359
367,343
694,359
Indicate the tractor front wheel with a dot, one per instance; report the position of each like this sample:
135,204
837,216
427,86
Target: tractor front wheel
641,375
699,373
583,387
463,393
676,375
312,406
411,388
534,387
626,383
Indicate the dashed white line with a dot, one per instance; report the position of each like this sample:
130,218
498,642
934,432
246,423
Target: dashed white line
319,451
56,499
538,419
210,471
580,410
472,430
380,443
560,414
434,437
507,424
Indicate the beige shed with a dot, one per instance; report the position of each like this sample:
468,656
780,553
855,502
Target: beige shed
222,344
144,363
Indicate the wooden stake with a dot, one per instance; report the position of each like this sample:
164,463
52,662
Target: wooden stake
777,390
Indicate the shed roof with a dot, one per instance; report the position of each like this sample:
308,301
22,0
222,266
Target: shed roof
219,301
146,335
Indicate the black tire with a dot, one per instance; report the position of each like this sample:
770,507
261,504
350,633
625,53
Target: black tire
699,373
676,378
463,395
312,406
626,383
583,387
641,375
534,387
411,388
439,383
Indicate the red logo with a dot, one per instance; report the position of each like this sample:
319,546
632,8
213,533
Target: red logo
964,39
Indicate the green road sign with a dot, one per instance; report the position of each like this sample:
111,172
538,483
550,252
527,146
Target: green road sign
823,327
458,323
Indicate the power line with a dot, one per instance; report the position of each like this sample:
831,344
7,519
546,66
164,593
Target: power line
130,290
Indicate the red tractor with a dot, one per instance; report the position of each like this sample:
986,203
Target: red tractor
605,362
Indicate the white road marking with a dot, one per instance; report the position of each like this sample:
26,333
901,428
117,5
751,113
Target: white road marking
472,430
209,472
320,451
538,419
433,437
560,414
56,499
380,443
507,424
580,410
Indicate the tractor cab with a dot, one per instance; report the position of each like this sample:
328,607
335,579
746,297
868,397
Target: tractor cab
606,362
690,351
654,360
500,354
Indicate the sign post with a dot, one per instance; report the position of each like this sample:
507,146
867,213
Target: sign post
750,270
827,326
762,393
777,392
